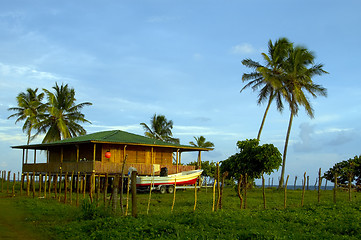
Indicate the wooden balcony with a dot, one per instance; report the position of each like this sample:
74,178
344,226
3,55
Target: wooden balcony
98,167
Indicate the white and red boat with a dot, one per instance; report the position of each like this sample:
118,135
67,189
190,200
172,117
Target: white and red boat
180,179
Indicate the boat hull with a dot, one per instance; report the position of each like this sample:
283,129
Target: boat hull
180,179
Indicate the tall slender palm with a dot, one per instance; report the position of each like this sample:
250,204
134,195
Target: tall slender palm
268,77
201,142
160,128
62,116
29,108
299,71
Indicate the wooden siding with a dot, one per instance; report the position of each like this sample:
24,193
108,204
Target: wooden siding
99,167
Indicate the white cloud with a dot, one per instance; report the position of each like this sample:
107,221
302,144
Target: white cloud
244,48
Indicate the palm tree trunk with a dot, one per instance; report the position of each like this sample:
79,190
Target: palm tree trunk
264,117
285,151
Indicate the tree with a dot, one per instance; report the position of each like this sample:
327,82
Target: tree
62,116
201,142
209,168
268,77
346,169
252,159
29,108
299,69
160,128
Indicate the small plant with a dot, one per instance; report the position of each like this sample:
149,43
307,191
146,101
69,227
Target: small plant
90,210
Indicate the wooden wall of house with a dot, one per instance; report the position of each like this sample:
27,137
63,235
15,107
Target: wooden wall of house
86,151
136,154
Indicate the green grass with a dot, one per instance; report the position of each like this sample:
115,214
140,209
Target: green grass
324,220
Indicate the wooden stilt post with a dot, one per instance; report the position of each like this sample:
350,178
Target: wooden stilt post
122,183
105,191
49,185
55,182
71,187
33,183
21,184
27,185
134,194
45,183
77,188
98,189
92,182
65,186
40,183
84,185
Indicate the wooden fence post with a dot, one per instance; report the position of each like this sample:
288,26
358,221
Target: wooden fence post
335,189
303,189
240,180
8,182
319,186
214,193
134,194
175,190
14,185
294,186
264,192
285,200
245,190
115,192
308,181
218,187
195,197
349,187
126,207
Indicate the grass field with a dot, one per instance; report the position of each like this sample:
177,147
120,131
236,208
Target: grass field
41,218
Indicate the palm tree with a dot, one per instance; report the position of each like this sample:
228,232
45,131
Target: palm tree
268,77
201,142
160,128
28,110
62,116
299,71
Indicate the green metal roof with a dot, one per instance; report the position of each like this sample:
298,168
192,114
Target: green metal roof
115,137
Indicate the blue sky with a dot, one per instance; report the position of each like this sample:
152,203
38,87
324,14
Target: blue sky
182,59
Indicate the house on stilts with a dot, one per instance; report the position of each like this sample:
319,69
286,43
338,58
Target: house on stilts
104,153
